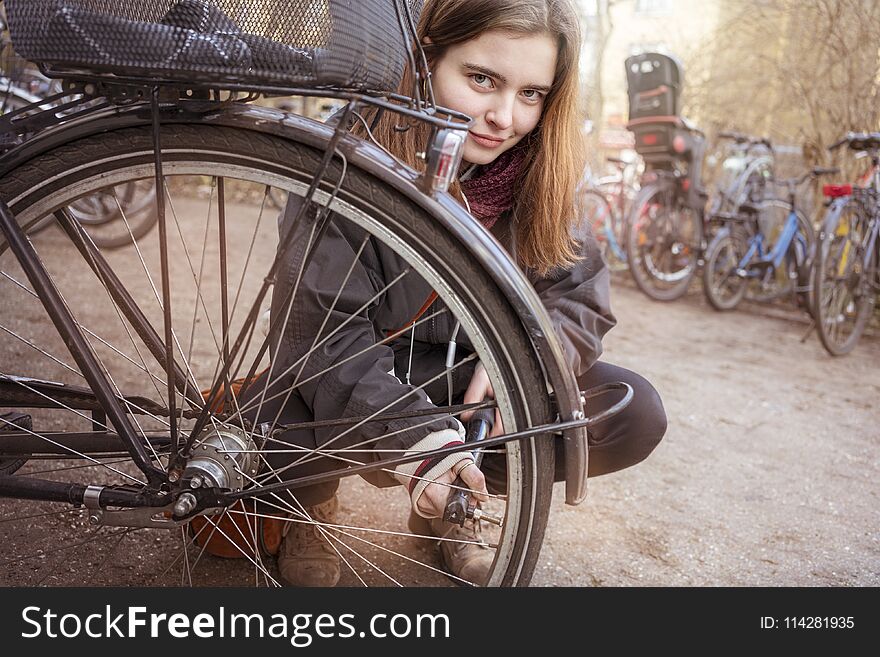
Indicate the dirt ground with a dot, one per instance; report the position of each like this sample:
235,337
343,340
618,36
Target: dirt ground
768,474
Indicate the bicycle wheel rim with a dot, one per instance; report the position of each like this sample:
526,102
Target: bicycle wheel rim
516,555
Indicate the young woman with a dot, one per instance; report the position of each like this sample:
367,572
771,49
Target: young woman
512,66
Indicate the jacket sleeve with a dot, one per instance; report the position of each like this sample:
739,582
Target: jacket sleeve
345,371
578,301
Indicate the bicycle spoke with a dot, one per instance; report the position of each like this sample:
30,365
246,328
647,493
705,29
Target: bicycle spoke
347,529
44,514
93,460
34,473
354,356
142,367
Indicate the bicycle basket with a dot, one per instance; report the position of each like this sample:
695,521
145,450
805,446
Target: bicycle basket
357,44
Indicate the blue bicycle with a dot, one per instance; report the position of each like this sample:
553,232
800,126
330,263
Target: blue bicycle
764,251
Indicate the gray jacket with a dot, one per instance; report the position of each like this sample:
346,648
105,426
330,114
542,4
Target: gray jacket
350,375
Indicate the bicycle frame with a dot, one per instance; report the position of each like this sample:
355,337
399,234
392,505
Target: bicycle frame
776,254
607,229
872,234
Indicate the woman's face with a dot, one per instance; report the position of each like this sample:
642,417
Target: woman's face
501,79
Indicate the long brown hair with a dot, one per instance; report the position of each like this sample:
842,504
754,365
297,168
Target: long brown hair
546,200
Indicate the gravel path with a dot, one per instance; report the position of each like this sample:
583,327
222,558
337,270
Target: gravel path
768,474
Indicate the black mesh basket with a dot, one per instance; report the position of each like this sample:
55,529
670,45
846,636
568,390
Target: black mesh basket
356,44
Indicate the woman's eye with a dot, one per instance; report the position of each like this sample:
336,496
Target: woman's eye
531,94
481,80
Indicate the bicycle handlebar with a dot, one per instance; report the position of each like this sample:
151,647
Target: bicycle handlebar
870,139
741,138
840,142
815,172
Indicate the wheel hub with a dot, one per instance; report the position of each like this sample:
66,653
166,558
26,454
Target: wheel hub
223,457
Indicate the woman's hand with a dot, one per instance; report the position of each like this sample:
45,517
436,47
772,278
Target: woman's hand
479,389
432,502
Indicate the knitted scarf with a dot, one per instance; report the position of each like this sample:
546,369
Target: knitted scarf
490,193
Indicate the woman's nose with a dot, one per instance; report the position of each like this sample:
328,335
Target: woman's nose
500,115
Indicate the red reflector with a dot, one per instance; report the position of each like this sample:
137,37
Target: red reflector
835,191
649,139
686,184
678,144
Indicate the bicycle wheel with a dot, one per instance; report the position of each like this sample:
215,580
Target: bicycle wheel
620,196
117,216
208,168
843,298
664,242
723,285
12,97
599,217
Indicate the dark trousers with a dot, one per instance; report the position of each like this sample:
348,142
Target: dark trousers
615,443
628,437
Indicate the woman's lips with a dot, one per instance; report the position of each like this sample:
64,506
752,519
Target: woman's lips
486,141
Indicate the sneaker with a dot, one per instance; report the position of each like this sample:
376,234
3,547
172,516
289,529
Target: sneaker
305,557
459,555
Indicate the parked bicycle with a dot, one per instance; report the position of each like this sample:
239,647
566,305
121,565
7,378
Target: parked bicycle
665,224
148,422
846,276
605,204
747,168
115,216
765,247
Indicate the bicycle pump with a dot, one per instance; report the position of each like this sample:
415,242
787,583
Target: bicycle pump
459,506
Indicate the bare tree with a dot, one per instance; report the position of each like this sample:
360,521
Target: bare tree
803,72
599,26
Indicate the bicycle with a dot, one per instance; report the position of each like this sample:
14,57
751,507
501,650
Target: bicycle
162,432
767,245
605,204
846,276
746,169
665,231
23,90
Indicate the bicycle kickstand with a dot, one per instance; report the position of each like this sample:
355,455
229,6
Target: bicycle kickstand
810,330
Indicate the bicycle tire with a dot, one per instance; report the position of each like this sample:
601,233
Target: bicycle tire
842,299
664,242
69,171
114,217
723,288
